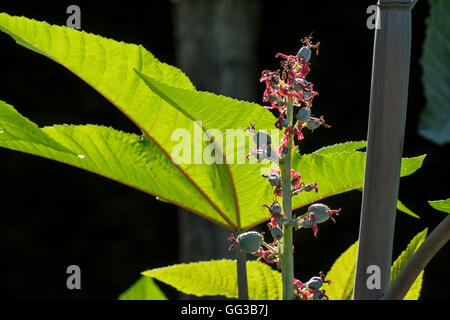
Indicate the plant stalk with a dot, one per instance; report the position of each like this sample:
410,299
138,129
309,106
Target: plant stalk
387,117
287,258
432,244
242,275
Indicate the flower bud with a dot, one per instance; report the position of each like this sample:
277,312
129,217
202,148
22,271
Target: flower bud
320,212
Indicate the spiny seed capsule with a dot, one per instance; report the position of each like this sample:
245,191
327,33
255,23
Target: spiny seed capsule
320,212
302,85
315,283
304,53
262,138
249,241
313,123
274,179
303,114
276,208
276,233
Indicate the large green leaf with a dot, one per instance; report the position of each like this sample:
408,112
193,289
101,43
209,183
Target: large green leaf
400,262
342,275
143,289
435,119
441,205
123,157
219,277
108,66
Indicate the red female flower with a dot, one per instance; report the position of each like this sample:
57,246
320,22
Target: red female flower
290,82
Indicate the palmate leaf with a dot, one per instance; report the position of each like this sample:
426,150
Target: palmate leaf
108,66
441,205
434,121
218,277
342,273
228,193
143,289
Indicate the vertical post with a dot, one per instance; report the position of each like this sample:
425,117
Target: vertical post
387,115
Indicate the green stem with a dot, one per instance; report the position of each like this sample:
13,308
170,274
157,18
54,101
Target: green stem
287,261
242,275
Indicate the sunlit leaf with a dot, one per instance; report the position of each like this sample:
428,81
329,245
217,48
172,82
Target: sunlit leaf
219,277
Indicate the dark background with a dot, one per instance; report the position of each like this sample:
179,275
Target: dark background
54,215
